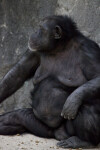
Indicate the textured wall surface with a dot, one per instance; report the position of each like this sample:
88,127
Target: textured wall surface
86,14
17,21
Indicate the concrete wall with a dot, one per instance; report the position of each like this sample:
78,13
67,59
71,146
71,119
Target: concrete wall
18,18
86,14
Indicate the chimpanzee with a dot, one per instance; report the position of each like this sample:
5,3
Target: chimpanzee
65,66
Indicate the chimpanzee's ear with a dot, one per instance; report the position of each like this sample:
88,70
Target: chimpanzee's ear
57,32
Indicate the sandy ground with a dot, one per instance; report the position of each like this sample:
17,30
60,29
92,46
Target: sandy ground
28,142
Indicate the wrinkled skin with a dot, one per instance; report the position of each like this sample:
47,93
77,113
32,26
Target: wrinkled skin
65,67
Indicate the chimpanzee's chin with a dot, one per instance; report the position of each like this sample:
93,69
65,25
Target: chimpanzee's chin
31,48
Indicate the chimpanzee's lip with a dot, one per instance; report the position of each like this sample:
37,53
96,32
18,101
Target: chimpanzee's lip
31,49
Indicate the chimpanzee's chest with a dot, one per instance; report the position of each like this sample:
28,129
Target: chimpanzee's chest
66,70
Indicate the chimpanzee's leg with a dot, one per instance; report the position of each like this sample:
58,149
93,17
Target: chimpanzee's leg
84,130
61,133
23,120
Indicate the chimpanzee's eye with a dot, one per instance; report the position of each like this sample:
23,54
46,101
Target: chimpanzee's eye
43,29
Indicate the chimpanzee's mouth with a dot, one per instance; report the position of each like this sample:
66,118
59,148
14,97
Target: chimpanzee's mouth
31,49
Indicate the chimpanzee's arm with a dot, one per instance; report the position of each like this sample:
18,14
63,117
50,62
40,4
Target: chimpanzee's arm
73,102
22,71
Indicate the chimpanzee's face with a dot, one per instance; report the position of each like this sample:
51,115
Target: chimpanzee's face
45,38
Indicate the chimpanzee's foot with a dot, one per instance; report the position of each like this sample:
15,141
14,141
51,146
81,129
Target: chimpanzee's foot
10,125
60,133
23,120
74,142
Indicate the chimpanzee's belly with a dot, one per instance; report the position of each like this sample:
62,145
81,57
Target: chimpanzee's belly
48,98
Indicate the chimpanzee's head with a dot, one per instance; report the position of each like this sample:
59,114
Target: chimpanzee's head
52,32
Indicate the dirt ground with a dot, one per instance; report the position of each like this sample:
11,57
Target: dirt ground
28,142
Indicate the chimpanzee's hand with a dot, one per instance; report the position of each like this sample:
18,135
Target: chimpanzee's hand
71,106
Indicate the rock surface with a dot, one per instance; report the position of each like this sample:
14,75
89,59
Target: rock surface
85,13
18,19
